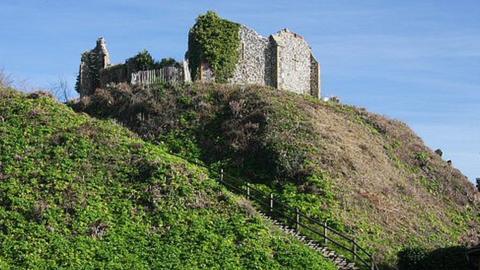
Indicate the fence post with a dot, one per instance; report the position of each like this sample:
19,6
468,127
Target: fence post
248,191
297,219
325,232
271,203
221,175
354,247
372,263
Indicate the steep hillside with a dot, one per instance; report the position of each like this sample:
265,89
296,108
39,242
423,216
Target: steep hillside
367,175
79,193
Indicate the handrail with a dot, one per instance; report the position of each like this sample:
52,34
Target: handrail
272,205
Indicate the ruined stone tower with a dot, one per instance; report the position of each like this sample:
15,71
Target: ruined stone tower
101,50
91,64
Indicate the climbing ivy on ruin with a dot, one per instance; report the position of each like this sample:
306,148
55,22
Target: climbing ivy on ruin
215,41
92,68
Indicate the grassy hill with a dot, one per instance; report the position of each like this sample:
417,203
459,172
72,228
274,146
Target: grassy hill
367,175
80,193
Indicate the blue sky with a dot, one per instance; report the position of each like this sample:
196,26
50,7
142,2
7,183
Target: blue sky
416,61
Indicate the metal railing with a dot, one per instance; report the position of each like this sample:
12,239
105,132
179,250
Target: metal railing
304,224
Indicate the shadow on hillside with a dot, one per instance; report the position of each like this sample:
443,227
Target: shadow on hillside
450,258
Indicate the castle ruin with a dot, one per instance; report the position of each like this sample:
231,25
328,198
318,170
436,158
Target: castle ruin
283,60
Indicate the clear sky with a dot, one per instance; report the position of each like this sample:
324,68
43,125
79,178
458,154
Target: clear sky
416,61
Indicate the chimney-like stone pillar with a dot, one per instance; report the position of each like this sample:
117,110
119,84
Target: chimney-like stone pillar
102,51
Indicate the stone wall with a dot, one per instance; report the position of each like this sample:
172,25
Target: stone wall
114,74
284,61
252,67
293,62
102,52
273,54
96,71
206,73
314,77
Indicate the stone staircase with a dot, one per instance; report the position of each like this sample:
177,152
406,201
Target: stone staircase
339,260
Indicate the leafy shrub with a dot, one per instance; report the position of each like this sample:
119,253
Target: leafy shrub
167,62
422,158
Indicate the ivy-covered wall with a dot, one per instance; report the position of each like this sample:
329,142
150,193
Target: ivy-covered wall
216,41
92,62
88,78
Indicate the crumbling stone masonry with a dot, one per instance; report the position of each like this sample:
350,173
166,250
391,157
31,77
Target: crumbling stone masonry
96,71
255,62
91,64
283,60
294,65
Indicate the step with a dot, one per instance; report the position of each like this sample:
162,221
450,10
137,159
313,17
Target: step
339,260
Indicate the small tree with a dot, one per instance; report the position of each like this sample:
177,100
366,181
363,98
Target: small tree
142,61
61,89
167,62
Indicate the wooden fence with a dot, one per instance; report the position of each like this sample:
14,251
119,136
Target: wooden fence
304,224
166,74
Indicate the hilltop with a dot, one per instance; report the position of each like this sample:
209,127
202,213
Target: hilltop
365,174
76,192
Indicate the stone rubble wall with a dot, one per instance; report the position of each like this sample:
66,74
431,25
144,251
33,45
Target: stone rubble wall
102,52
206,73
283,61
114,74
293,62
97,71
252,67
315,77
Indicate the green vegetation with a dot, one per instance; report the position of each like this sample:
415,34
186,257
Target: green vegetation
422,158
142,61
168,62
91,60
216,41
79,193
366,175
